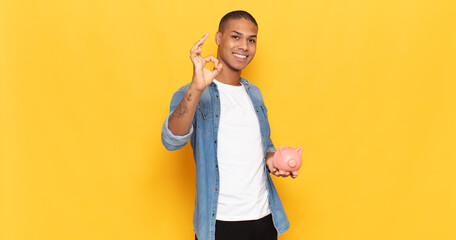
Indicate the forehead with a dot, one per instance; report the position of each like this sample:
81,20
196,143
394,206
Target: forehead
243,26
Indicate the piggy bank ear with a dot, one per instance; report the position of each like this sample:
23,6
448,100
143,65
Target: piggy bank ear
280,150
299,150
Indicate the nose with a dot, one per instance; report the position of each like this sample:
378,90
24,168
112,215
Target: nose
244,46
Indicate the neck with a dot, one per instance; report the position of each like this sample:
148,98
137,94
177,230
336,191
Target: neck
229,76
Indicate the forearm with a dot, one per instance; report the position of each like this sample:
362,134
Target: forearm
180,120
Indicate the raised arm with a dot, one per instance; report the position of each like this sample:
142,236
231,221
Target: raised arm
180,120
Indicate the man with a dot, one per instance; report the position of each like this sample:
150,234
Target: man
225,118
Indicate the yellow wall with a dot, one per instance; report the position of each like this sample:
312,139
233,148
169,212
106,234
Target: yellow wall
366,87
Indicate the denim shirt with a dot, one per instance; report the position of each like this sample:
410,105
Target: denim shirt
203,137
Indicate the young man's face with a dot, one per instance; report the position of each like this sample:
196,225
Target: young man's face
237,44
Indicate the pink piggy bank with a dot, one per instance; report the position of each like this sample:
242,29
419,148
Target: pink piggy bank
288,159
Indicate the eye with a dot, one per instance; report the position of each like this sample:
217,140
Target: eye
252,41
235,37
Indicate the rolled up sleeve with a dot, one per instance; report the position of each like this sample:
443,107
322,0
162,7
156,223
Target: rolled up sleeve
271,147
170,141
174,142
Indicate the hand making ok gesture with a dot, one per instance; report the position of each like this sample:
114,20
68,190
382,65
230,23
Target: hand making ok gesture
202,76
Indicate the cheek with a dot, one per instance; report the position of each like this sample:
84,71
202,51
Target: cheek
252,53
230,46
225,46
252,48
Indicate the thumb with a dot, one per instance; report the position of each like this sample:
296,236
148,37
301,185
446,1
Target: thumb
218,68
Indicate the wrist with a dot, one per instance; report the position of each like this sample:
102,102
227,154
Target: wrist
194,90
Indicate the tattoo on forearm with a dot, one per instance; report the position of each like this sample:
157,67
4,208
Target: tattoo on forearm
181,109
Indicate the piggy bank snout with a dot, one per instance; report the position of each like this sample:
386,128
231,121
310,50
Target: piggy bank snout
292,163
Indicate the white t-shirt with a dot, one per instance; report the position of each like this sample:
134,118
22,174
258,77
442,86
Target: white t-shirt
243,193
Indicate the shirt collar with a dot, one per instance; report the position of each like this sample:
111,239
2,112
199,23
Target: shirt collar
243,81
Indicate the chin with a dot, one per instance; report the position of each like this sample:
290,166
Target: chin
239,67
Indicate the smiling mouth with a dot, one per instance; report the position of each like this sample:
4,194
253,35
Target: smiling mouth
240,57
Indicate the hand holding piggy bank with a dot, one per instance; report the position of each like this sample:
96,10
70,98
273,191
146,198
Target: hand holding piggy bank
288,159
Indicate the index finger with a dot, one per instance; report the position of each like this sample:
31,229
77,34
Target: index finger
200,42
212,59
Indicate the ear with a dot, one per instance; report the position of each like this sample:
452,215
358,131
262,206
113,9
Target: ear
299,150
218,38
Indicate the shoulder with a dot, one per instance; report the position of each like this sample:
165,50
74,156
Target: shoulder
178,95
205,96
253,89
183,89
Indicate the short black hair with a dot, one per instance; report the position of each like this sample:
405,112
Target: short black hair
239,14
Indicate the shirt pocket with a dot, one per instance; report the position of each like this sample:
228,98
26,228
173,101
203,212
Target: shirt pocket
204,119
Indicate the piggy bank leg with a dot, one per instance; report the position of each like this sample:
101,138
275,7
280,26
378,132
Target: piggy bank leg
295,173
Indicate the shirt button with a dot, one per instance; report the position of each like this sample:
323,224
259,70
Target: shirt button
213,214
216,115
215,141
257,110
216,95
262,134
216,189
216,166
205,114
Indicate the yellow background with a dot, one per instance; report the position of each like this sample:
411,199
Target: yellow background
366,87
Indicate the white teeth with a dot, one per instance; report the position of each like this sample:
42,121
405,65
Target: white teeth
239,56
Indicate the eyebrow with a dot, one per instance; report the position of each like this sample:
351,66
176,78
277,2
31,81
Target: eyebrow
243,34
